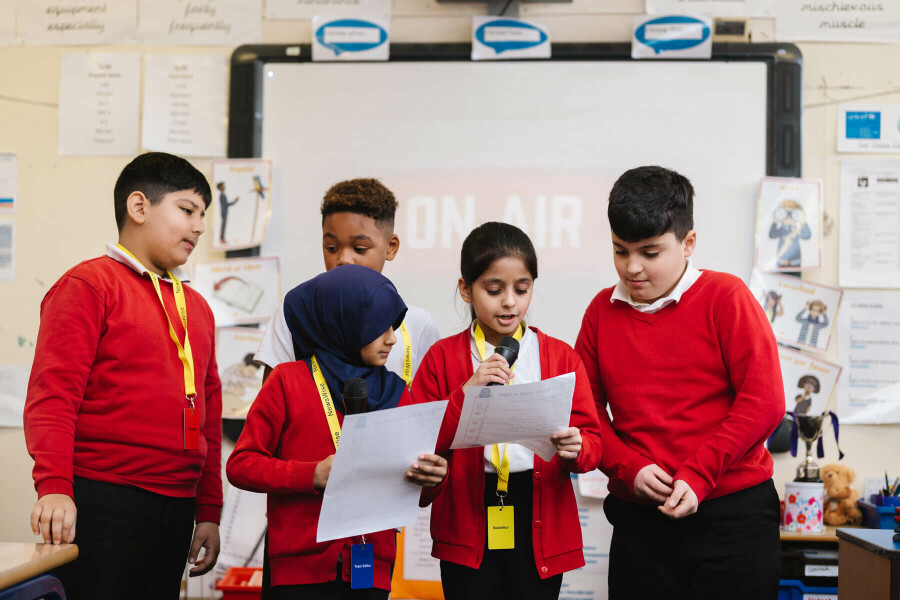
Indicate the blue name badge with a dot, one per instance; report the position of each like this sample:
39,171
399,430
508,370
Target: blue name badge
362,566
863,125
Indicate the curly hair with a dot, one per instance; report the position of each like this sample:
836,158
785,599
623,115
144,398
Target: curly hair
362,196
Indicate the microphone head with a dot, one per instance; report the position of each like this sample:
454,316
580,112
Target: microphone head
355,396
509,349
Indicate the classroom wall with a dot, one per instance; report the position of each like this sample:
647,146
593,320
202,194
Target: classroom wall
65,203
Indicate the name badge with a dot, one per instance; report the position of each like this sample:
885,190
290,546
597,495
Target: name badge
362,566
501,535
191,429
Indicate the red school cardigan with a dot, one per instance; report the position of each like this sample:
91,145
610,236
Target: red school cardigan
458,517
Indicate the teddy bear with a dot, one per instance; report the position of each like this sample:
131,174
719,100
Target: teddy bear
840,496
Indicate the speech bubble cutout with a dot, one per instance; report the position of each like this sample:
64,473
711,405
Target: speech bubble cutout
659,33
350,35
509,35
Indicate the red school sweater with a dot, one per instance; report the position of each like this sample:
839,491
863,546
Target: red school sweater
458,518
106,395
695,388
286,435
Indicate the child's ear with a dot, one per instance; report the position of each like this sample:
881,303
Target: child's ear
393,245
690,243
464,291
136,206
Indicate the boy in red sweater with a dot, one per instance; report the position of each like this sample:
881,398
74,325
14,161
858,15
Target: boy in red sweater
687,364
124,403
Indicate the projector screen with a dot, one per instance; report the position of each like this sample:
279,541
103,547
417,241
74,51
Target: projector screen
537,144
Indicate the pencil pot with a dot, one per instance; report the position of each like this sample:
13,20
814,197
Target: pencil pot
803,507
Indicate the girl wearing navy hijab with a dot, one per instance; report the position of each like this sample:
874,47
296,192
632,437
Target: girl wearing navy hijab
342,323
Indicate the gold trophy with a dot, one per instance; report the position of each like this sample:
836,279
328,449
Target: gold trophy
809,429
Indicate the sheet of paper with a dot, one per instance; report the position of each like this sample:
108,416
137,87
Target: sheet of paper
7,250
501,38
209,23
13,387
869,229
830,21
367,490
350,39
9,182
185,109
593,484
866,127
715,8
242,527
526,414
418,564
789,224
307,9
801,312
671,36
869,350
239,290
241,376
241,203
99,104
76,22
809,382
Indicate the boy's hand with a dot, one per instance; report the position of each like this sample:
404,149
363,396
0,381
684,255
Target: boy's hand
429,471
53,517
494,370
206,535
652,483
681,503
323,470
567,442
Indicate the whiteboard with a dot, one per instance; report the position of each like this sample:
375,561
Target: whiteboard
536,143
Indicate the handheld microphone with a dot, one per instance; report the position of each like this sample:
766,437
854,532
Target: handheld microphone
355,396
508,348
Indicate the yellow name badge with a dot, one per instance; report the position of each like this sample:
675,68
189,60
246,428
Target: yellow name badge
501,535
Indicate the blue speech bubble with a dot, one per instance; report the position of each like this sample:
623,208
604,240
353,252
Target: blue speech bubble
340,47
499,47
666,45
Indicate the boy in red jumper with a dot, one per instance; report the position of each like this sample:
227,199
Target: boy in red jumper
124,402
687,364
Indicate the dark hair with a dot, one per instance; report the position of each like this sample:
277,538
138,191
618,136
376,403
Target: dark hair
650,201
156,174
368,197
248,360
491,241
810,379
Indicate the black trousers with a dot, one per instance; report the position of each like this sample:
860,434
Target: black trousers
503,573
729,548
131,543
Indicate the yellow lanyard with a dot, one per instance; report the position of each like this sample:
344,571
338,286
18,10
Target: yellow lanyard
184,352
327,402
502,467
407,355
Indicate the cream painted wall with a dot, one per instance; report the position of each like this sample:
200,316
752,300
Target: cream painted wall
65,203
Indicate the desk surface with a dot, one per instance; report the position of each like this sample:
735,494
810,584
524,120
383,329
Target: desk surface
879,541
19,562
828,535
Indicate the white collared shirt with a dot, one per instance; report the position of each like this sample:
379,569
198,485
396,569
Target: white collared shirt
527,370
114,252
689,278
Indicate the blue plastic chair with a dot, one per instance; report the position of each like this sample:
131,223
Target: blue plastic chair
43,586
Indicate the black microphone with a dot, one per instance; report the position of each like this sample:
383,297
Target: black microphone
355,396
508,348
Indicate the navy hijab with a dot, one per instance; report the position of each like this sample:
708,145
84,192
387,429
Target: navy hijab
334,315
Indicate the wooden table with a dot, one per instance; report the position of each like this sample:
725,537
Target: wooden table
869,564
829,535
20,562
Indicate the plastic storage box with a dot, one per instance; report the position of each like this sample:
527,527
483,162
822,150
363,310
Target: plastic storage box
877,517
241,583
